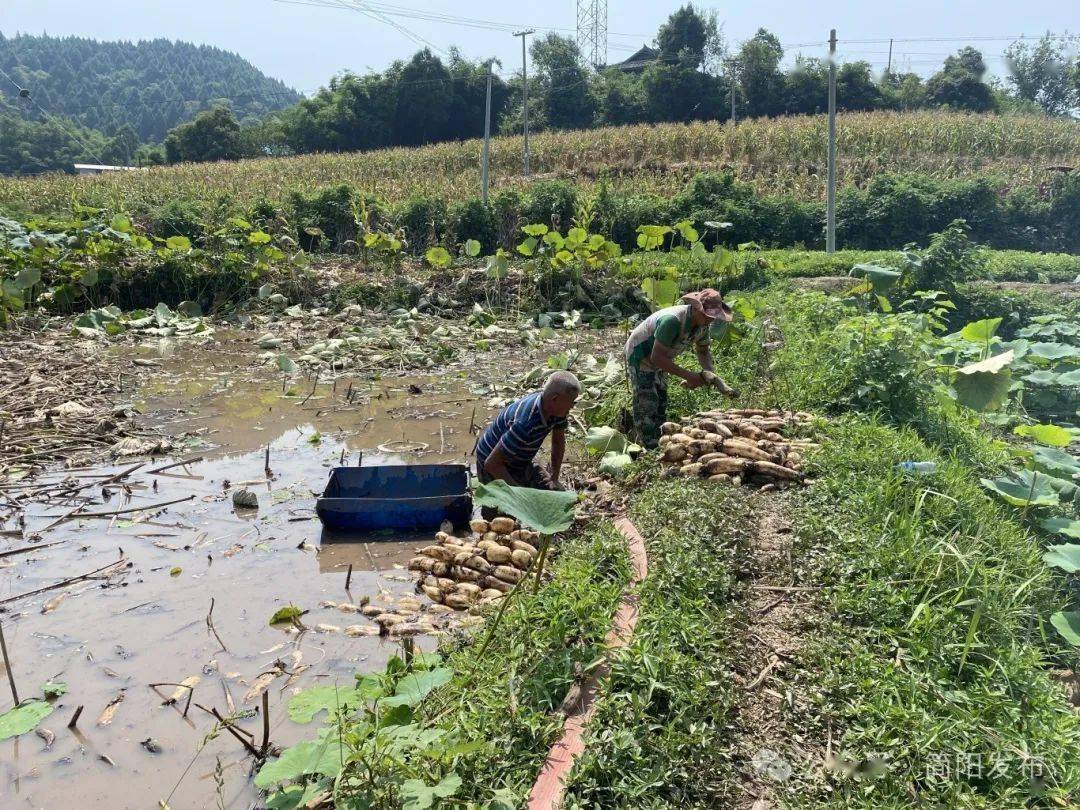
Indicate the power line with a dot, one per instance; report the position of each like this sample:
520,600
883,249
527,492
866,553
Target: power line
451,19
24,93
1013,38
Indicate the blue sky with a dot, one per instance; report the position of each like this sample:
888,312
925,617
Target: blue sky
304,45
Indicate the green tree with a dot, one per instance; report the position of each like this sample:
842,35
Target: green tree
959,84
620,98
680,93
688,36
903,91
757,65
806,87
565,100
424,100
1046,74
856,88
104,85
213,135
122,146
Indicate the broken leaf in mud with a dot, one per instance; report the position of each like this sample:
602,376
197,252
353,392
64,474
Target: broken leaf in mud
109,712
245,499
133,446
175,571
268,341
286,614
181,692
601,440
303,706
259,685
615,464
54,689
54,603
286,364
23,718
189,309
70,409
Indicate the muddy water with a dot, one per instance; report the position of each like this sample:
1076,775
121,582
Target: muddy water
110,640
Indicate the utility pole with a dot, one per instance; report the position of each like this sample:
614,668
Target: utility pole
731,74
888,69
830,204
525,94
484,162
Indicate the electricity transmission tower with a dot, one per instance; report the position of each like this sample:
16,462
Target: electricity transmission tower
592,31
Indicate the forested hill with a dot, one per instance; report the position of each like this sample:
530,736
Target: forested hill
151,86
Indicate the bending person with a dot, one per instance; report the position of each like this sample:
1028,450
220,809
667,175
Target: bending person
507,448
656,344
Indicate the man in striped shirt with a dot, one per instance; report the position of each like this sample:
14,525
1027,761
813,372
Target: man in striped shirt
507,448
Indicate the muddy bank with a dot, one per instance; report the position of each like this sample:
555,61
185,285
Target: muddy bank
109,639
172,544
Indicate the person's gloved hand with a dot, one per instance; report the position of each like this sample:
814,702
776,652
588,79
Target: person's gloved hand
696,380
716,382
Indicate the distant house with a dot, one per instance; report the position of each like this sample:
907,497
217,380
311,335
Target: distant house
97,168
638,61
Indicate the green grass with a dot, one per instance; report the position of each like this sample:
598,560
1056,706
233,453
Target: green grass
996,265
661,733
936,644
992,265
509,697
932,640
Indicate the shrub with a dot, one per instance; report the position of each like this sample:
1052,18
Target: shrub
506,211
1016,308
424,220
949,260
179,218
896,209
472,219
331,213
551,202
620,216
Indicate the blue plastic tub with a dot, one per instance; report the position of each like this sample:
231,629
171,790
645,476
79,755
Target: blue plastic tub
408,497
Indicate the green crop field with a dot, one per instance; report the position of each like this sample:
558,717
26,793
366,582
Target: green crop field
776,156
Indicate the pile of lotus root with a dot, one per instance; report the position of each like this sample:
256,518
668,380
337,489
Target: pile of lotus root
462,572
743,446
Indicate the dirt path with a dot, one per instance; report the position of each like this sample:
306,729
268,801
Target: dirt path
767,751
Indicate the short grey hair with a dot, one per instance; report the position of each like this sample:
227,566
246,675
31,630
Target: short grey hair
561,383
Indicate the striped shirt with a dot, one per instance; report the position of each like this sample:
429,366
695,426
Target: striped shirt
520,430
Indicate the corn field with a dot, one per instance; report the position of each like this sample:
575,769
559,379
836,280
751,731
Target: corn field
777,156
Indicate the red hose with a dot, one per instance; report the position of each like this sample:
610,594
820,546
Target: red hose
547,791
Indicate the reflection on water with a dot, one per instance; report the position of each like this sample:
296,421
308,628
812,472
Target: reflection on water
110,641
